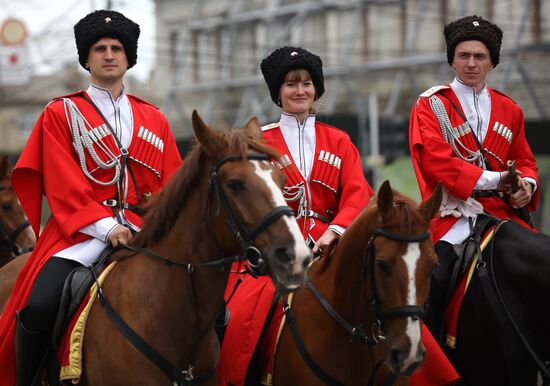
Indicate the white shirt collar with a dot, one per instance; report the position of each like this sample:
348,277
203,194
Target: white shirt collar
300,140
98,92
117,112
461,87
476,106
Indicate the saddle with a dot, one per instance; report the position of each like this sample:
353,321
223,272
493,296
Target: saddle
467,250
75,289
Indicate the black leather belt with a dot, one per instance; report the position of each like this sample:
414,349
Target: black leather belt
310,213
487,193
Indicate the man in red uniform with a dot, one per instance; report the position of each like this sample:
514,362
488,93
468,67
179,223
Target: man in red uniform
96,155
463,134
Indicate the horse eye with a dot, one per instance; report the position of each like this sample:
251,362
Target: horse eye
235,185
6,206
383,266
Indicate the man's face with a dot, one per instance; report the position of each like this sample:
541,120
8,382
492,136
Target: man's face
472,62
107,61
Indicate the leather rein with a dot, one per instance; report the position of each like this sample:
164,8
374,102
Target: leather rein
488,280
186,377
358,331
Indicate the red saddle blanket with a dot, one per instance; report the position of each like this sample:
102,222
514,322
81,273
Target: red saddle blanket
70,349
249,309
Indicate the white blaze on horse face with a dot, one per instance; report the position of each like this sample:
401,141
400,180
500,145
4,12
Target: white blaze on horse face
301,251
411,257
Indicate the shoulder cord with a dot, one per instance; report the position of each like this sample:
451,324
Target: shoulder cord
82,140
124,157
296,193
451,135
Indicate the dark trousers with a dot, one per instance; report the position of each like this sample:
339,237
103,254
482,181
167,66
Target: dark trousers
439,291
43,303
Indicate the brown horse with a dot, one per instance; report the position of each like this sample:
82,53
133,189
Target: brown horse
16,235
374,282
8,274
225,201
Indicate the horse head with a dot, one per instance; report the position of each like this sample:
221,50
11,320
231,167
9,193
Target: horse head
401,258
249,213
16,235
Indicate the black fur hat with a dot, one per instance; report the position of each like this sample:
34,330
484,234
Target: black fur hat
106,24
280,62
473,28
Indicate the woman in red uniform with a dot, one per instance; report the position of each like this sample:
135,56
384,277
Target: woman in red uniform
325,186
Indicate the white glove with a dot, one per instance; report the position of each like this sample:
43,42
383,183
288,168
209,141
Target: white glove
452,206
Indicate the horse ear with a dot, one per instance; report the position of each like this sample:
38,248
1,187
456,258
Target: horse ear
4,166
253,129
430,207
209,139
385,199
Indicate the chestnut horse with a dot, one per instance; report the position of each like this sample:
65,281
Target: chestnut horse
503,331
225,201
166,289
358,320
16,235
8,274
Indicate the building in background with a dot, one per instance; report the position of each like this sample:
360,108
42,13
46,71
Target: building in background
377,55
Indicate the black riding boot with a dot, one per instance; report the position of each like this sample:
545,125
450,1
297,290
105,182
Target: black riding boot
439,291
30,349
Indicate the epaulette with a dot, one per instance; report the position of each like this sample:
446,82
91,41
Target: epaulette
270,126
141,100
76,93
504,95
432,90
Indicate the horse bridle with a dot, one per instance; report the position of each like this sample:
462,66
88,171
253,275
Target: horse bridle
358,331
246,238
253,255
7,240
413,311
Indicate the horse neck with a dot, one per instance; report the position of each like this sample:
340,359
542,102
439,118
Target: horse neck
190,240
341,277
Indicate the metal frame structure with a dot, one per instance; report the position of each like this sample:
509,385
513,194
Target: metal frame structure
281,19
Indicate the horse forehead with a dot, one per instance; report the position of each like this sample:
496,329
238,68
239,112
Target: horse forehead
265,170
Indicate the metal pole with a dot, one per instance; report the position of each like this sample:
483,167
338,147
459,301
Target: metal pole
374,160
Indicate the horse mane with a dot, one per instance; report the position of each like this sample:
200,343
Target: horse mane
171,200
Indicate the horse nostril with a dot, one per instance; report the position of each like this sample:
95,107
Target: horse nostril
396,359
284,255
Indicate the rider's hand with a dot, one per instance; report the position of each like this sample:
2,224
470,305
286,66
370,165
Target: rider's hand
507,182
119,235
522,196
324,241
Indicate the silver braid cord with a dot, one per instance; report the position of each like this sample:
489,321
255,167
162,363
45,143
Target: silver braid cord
451,135
83,141
296,193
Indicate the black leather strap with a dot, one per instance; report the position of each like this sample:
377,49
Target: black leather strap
322,374
489,284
